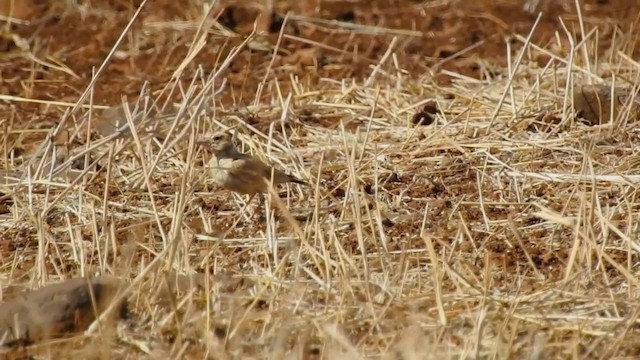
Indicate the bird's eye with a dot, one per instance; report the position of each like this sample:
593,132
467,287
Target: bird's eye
217,138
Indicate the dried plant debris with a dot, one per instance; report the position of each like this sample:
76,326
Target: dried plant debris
114,120
599,104
56,310
83,161
545,121
413,234
9,177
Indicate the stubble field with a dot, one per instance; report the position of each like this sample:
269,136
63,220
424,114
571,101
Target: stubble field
460,206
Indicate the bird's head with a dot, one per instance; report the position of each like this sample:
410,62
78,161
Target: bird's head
219,142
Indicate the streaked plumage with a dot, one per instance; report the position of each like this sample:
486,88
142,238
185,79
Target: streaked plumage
240,172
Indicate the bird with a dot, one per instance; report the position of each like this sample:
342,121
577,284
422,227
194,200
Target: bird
240,172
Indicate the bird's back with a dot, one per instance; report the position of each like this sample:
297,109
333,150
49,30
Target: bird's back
244,174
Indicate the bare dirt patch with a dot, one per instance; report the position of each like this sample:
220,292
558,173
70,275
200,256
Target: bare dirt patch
458,200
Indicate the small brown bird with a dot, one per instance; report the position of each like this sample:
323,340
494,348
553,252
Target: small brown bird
240,172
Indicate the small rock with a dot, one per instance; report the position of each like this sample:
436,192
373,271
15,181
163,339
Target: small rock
56,310
593,103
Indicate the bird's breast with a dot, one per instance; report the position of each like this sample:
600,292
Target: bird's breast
221,174
218,171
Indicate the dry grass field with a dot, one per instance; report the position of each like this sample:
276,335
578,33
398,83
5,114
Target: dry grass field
461,205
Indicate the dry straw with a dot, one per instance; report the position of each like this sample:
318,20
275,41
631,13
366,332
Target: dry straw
488,234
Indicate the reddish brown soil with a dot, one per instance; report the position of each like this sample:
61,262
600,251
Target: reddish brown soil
479,31
82,42
469,38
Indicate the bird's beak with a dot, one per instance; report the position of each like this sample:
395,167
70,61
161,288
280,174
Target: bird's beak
203,141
